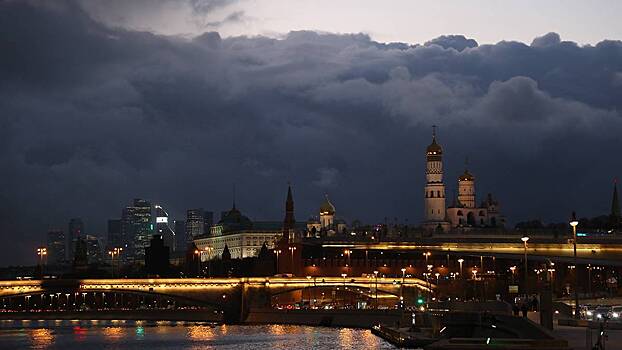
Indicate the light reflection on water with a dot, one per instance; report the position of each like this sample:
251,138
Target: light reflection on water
68,335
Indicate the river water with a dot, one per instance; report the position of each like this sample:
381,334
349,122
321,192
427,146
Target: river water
69,335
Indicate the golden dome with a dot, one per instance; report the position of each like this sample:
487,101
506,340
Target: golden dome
467,176
434,148
327,208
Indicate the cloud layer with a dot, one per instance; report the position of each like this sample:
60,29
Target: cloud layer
93,116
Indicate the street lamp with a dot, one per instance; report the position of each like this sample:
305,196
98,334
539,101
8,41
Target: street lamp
198,254
41,252
277,252
376,290
292,249
209,261
525,239
427,255
112,253
347,252
402,287
513,269
344,289
574,223
460,261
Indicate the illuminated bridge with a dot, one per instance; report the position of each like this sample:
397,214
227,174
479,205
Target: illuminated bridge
594,250
232,296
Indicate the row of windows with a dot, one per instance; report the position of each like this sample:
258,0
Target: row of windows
431,194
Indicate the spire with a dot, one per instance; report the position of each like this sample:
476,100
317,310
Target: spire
615,202
289,221
433,132
233,197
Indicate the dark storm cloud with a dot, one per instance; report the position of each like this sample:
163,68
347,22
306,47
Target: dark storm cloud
93,116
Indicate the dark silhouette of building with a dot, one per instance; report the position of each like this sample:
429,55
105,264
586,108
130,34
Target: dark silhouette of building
181,241
289,223
115,240
75,231
80,260
157,257
56,243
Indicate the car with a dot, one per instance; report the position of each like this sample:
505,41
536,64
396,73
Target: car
587,311
616,313
602,312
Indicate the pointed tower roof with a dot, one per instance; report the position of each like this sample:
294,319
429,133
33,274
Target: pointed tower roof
615,201
466,176
434,148
327,207
289,221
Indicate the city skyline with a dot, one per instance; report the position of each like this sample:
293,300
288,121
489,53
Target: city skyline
101,114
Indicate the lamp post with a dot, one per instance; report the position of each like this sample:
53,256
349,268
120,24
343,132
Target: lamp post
427,255
525,239
461,261
376,289
513,269
41,252
344,289
402,287
277,252
574,223
112,253
209,261
198,254
347,252
292,249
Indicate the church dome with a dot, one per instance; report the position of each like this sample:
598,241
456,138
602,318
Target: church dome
434,148
467,176
327,208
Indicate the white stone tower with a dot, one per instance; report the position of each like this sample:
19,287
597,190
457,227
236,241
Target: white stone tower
434,188
466,189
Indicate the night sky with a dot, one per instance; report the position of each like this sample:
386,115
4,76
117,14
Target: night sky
94,114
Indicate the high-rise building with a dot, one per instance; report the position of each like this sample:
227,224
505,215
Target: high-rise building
56,243
195,223
163,227
181,242
94,252
76,230
208,221
136,229
115,240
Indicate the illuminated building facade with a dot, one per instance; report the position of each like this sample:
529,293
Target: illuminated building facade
463,213
327,224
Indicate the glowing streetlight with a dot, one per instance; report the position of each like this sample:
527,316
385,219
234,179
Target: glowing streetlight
198,254
460,261
427,256
277,252
292,249
112,253
525,239
41,252
376,290
574,222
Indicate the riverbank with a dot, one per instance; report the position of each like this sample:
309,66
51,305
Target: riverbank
102,315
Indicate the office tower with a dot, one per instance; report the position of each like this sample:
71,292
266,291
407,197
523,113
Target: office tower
136,229
76,230
56,243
